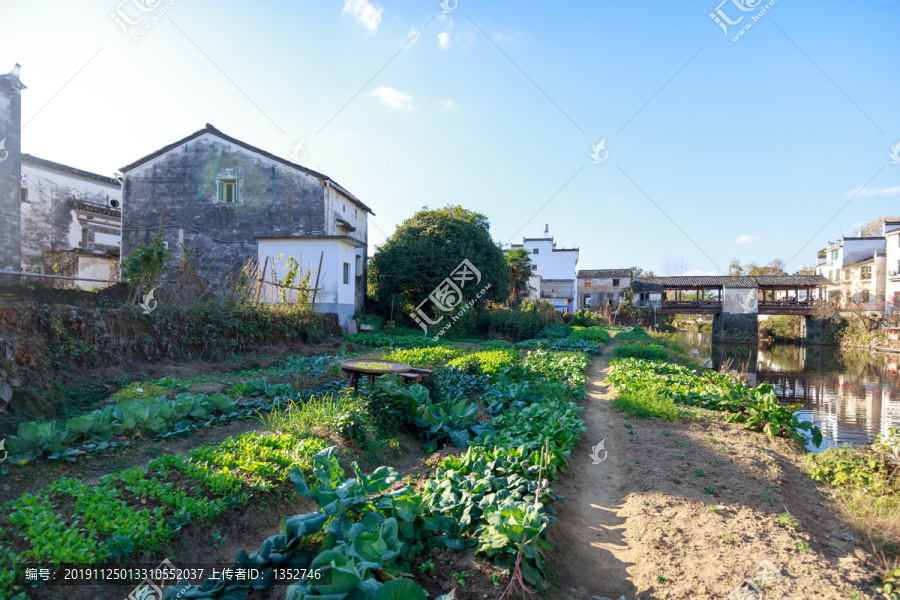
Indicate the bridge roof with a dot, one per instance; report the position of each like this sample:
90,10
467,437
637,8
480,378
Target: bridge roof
733,281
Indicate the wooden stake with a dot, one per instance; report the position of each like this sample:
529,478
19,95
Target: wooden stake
262,278
318,273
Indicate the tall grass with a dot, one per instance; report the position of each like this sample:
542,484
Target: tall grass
327,417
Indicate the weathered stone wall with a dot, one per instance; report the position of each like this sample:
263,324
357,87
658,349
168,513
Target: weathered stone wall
49,219
275,200
10,172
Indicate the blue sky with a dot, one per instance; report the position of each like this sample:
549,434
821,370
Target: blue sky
716,148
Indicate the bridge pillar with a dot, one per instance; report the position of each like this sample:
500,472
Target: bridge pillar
739,318
804,326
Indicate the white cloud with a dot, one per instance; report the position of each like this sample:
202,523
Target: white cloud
888,191
449,103
444,39
394,98
698,272
364,12
747,239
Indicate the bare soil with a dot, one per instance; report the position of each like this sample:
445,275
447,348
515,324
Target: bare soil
641,525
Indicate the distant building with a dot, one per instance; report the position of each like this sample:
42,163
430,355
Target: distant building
600,288
54,219
863,269
227,202
554,277
892,263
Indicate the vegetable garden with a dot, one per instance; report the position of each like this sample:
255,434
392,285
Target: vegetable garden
510,411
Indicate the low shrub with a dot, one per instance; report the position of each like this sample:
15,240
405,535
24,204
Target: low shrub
594,334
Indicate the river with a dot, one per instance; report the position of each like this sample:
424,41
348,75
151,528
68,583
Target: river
851,395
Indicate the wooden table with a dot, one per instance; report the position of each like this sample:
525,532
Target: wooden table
372,368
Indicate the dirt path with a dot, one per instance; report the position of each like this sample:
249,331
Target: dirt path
591,558
688,509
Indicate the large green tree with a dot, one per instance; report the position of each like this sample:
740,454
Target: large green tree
428,247
520,269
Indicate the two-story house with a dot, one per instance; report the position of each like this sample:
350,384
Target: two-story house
227,202
554,273
600,288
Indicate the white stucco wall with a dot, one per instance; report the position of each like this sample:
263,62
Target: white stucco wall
333,294
892,264
48,221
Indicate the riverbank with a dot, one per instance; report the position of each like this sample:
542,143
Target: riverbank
688,508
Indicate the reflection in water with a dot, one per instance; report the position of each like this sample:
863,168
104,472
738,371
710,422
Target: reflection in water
851,395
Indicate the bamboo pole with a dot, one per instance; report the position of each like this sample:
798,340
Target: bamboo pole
318,273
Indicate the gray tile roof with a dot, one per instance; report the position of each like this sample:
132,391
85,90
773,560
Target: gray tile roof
750,281
604,273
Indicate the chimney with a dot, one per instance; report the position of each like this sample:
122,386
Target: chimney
546,230
11,170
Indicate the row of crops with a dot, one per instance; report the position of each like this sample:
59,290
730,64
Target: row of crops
755,408
494,499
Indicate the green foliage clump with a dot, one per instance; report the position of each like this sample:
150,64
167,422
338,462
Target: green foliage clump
487,362
517,325
635,333
755,408
426,248
424,357
379,340
594,334
647,403
648,351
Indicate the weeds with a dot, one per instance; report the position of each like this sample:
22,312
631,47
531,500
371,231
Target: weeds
710,490
786,520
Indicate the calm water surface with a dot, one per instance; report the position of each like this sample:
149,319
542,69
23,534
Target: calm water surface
851,395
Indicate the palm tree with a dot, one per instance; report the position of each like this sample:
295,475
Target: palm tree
520,269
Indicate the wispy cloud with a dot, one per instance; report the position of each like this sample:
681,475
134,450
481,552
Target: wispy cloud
394,98
444,39
875,191
747,239
449,103
699,272
364,12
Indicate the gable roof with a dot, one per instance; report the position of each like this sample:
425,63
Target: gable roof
605,274
212,130
49,164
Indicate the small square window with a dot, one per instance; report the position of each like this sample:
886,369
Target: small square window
346,272
536,251
615,283
228,191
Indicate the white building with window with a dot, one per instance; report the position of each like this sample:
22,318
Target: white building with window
554,280
892,262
